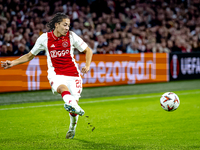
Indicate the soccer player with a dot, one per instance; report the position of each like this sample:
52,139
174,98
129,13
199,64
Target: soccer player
63,73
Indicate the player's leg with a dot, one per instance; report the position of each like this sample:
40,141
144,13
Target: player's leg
71,105
60,85
75,86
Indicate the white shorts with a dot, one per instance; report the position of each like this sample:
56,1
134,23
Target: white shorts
74,84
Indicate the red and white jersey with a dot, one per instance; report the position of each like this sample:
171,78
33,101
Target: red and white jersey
60,53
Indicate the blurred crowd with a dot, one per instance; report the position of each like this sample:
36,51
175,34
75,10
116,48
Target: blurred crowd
107,26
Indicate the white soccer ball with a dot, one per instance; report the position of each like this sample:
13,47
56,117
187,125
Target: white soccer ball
169,101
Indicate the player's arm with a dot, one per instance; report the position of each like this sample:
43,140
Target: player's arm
25,58
88,58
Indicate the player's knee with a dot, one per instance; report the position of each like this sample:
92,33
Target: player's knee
62,88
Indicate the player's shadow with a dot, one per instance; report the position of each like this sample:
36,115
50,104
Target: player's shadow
92,145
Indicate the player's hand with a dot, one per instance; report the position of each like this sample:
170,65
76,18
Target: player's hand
6,64
85,69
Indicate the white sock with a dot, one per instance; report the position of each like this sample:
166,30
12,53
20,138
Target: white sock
69,99
73,121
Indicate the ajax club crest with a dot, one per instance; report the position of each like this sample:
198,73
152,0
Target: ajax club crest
65,44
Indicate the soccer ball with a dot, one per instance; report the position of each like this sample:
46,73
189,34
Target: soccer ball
169,101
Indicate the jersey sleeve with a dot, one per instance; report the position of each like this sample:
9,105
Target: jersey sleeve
78,42
39,44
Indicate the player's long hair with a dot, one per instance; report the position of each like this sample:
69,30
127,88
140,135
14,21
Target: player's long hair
58,17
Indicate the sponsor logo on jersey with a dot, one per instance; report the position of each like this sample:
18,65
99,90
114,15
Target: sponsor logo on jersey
61,53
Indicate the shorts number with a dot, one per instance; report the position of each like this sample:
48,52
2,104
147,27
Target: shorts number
78,83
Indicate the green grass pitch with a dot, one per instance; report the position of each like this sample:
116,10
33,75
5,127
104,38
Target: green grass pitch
127,122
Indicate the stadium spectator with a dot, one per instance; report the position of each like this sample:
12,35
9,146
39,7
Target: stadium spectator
16,42
101,42
177,47
132,48
164,47
3,51
76,28
149,47
195,46
1,33
21,50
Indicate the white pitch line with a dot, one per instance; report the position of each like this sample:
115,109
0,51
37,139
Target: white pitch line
98,101
29,107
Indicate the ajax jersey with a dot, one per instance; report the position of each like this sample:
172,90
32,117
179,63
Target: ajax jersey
60,53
